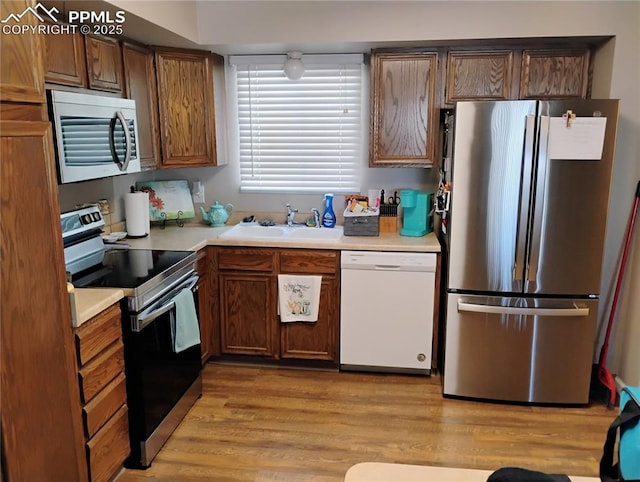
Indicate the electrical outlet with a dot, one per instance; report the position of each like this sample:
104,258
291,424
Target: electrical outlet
197,192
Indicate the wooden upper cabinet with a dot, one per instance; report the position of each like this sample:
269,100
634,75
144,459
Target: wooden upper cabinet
65,61
21,69
552,74
186,108
104,63
140,83
478,75
403,109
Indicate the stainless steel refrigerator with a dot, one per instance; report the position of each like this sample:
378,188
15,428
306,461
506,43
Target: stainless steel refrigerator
526,236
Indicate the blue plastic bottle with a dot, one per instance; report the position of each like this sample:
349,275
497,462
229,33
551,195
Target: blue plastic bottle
328,217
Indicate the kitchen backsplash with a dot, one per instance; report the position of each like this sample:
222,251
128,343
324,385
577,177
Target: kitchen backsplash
221,184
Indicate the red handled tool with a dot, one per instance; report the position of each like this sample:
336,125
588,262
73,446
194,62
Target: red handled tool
604,374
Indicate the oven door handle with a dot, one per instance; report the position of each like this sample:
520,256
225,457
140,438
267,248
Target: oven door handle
161,307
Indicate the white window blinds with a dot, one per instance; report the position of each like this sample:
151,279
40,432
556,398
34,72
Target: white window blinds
299,135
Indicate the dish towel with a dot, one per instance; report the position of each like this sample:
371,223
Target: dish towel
185,331
298,297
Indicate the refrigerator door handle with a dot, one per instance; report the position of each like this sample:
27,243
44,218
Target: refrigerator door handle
515,310
525,193
539,212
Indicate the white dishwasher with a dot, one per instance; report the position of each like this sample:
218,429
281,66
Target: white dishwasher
386,311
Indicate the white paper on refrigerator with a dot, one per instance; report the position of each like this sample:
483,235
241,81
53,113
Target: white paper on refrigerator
582,140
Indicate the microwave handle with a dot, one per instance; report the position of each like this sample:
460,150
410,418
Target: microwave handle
127,138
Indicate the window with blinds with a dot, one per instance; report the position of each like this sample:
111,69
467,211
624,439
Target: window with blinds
302,135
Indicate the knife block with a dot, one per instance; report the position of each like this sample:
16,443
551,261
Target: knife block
388,224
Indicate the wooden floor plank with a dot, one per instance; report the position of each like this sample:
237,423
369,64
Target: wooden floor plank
274,424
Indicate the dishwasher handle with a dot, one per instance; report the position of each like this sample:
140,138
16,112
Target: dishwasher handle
387,267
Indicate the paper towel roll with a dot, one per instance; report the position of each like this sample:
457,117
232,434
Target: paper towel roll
136,211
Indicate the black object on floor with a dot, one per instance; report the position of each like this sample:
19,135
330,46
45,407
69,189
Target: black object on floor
515,474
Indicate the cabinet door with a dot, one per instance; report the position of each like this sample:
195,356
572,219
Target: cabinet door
40,395
403,109
21,70
478,76
204,317
140,82
553,74
104,63
206,303
185,96
247,314
318,340
65,61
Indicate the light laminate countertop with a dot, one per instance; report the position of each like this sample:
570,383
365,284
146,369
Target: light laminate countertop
195,237
88,302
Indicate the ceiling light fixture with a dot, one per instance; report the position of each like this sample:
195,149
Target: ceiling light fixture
293,66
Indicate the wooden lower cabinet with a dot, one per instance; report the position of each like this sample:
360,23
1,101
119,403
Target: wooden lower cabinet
317,340
248,309
109,447
103,393
314,341
248,294
208,304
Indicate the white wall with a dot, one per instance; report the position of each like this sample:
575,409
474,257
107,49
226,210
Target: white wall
177,17
327,26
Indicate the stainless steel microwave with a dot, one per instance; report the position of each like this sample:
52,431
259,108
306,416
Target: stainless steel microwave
95,135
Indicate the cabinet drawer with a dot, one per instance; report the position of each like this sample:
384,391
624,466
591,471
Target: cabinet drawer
306,261
110,446
99,372
104,405
246,259
98,333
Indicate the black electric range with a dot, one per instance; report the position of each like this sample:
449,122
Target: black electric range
143,274
162,382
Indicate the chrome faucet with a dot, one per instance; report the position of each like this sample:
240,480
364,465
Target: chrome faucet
316,217
290,214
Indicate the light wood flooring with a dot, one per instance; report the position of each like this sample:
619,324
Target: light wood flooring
276,424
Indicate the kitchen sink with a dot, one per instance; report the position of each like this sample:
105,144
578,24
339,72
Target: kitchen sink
315,234
282,233
241,231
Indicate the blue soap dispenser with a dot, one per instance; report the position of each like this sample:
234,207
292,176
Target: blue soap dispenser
328,217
